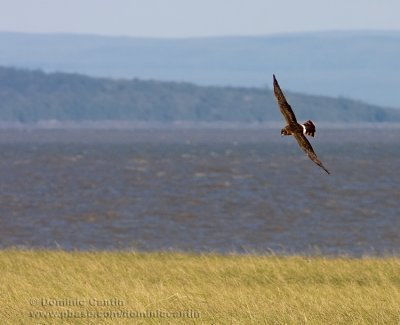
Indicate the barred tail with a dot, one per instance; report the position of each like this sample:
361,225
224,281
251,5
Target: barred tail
308,128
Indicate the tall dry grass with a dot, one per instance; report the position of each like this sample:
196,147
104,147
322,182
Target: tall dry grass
57,287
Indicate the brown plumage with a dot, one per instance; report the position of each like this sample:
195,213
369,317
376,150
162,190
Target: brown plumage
299,131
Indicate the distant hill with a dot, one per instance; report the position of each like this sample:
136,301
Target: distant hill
31,96
359,65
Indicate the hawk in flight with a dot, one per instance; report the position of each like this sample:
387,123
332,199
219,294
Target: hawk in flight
299,131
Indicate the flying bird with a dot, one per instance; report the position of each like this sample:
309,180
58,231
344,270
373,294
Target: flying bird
299,131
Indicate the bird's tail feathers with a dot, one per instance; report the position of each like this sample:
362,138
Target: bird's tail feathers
309,128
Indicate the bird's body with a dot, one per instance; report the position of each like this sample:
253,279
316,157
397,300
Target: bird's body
298,131
292,129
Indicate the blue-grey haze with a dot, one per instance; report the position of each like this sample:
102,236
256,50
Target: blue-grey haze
360,65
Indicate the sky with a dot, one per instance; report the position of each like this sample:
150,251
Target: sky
196,18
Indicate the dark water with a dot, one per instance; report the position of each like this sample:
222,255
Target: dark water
200,190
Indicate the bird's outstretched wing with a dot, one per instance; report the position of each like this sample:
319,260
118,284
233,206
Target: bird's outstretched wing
284,106
308,149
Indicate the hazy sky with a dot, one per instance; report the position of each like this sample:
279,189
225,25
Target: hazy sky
185,18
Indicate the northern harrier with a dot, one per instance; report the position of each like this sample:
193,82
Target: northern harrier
299,131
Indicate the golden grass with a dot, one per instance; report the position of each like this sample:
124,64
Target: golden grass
121,287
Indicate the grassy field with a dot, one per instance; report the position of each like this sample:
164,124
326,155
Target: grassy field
56,287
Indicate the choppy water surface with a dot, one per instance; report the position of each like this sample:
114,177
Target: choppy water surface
200,190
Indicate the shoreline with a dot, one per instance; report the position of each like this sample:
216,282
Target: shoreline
177,125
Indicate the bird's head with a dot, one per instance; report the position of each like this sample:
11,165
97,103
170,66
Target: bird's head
284,132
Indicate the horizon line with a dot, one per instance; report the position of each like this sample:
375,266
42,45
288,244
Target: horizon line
216,36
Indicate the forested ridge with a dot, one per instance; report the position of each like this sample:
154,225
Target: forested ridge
30,96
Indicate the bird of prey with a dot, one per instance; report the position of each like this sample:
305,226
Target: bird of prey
299,131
